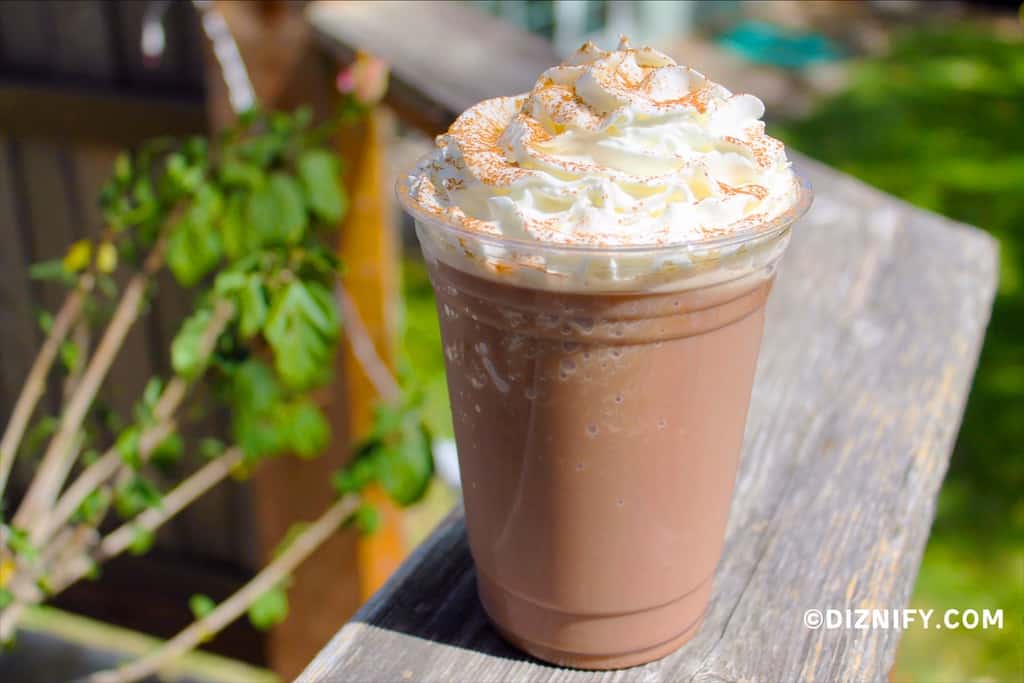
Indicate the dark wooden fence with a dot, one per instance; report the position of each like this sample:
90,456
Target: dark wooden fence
74,89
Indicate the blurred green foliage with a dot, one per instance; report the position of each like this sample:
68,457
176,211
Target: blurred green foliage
421,353
937,121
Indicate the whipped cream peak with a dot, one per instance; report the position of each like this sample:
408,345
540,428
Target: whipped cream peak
610,149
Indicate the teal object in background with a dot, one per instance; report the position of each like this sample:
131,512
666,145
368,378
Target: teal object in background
769,44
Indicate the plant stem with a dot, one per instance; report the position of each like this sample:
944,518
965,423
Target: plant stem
167,405
180,497
93,478
75,566
35,383
80,338
364,350
176,500
57,461
236,605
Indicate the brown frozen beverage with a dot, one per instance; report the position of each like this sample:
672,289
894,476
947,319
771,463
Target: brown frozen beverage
599,412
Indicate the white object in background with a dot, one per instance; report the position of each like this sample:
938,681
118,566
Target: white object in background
647,22
570,25
446,460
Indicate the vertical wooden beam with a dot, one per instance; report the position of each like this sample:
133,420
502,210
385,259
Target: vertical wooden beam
370,250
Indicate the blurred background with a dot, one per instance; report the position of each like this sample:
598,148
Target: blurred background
923,100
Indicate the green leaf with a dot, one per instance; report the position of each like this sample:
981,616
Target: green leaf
45,320
69,355
123,168
254,387
45,585
262,150
142,540
356,475
258,434
135,496
211,448
127,446
405,465
6,598
50,270
20,545
42,430
253,307
89,456
168,451
233,228
398,456
290,205
201,605
367,518
93,507
182,176
302,330
306,429
195,246
269,609
387,419
238,173
187,357
147,204
229,283
277,212
321,182
151,393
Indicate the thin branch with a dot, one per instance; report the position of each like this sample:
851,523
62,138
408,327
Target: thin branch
180,497
167,405
177,499
74,562
93,478
35,383
364,350
70,544
80,337
74,566
57,461
236,605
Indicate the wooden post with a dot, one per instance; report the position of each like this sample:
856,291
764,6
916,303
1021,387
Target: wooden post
369,248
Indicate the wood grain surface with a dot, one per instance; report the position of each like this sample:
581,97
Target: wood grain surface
873,334
444,56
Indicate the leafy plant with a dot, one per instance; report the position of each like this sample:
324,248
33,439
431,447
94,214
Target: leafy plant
245,226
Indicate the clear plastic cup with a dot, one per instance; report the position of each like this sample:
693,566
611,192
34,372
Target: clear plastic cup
599,398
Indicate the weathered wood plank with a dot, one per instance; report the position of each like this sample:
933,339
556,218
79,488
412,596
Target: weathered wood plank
448,56
180,66
20,337
26,35
872,337
82,32
94,116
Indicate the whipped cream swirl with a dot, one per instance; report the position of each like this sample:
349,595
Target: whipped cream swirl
609,149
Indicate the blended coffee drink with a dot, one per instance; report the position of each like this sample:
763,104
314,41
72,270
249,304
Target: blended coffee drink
602,249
